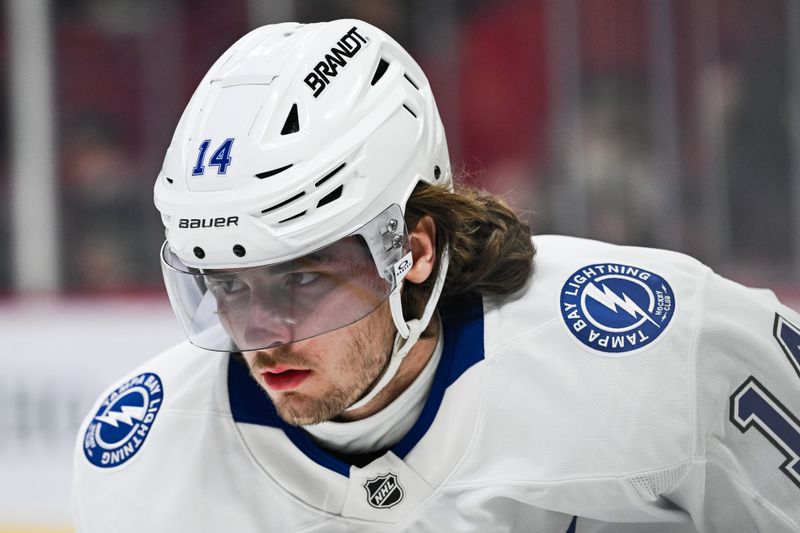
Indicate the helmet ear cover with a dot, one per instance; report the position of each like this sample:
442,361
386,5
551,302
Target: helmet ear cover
267,306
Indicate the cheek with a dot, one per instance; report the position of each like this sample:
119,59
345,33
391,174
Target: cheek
348,356
333,354
249,358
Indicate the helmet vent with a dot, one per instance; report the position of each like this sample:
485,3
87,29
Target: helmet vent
380,71
411,81
283,203
269,173
331,196
409,110
169,180
329,175
292,124
298,215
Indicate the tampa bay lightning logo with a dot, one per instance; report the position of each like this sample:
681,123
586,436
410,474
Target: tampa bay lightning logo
614,308
123,421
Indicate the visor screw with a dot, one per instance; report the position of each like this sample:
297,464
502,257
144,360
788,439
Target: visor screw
397,241
391,225
198,252
437,172
238,250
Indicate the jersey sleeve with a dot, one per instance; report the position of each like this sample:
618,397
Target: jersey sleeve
745,469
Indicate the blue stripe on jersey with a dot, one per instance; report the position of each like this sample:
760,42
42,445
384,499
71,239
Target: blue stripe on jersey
462,325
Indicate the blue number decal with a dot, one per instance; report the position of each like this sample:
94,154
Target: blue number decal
753,405
198,167
788,336
221,158
572,525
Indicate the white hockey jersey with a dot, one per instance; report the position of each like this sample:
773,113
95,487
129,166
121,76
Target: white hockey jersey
623,389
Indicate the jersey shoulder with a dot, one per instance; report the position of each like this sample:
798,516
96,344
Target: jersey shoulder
612,299
164,418
597,348
184,380
617,370
187,375
587,381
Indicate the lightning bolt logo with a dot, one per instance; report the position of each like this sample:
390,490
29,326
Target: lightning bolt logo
127,414
611,300
616,309
123,421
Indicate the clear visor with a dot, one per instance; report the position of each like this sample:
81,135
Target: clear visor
267,306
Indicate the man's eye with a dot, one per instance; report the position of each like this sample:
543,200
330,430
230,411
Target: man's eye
226,286
301,278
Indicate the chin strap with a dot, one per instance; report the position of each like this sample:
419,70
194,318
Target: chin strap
407,332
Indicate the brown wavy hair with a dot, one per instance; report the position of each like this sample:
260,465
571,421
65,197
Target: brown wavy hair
490,248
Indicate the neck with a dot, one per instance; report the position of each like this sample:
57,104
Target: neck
410,368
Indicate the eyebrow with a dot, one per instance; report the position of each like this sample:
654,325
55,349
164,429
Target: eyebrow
312,259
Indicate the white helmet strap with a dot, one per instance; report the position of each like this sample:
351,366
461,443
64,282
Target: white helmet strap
408,333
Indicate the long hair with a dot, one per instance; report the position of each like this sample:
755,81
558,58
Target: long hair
490,248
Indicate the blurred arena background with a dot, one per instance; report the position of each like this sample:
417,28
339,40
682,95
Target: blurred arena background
666,123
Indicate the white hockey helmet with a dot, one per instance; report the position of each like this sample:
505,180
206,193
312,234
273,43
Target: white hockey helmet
284,186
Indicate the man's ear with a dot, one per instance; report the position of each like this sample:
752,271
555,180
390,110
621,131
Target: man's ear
423,249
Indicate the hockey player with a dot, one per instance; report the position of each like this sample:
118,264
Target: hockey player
374,349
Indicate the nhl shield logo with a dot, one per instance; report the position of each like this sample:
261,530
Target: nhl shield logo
384,491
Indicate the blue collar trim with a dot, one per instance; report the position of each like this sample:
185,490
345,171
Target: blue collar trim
462,325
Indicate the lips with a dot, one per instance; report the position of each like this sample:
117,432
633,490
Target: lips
284,378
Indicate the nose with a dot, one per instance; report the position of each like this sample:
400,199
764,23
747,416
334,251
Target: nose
267,327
